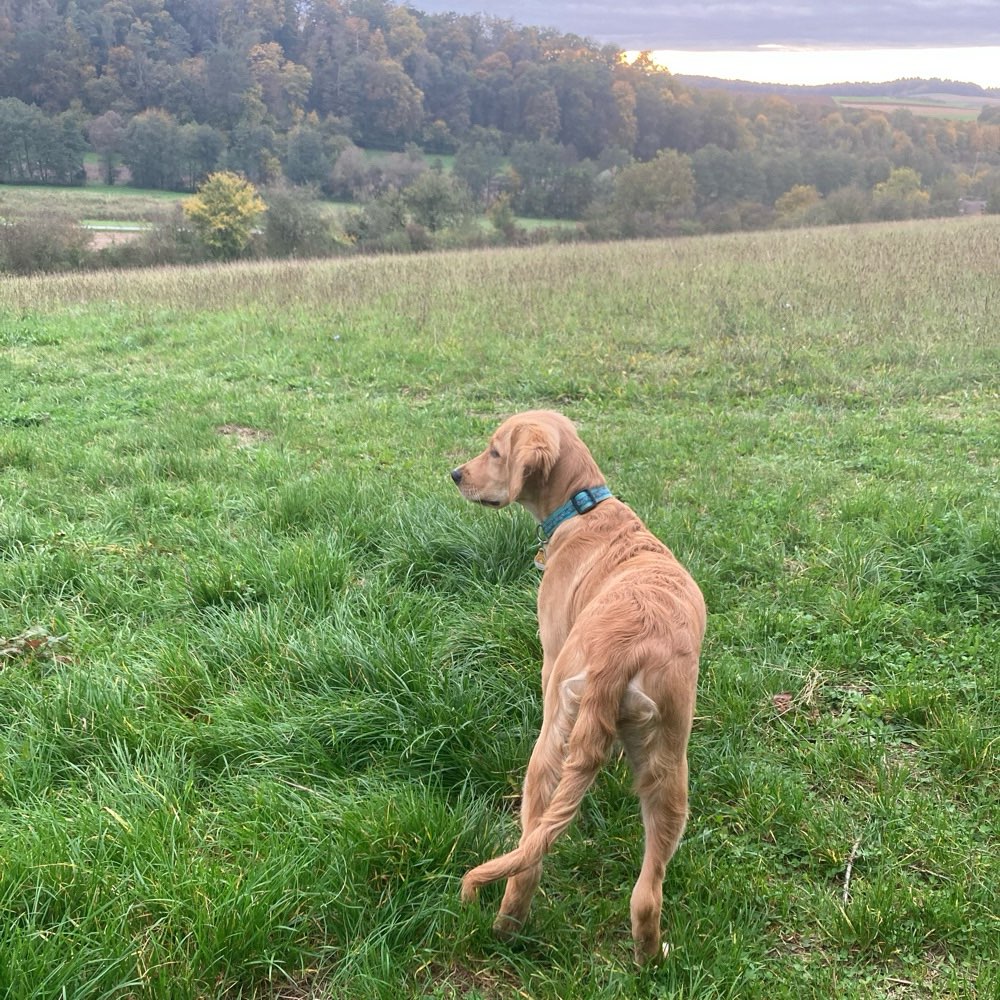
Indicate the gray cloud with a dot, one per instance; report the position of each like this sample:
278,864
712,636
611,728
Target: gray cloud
730,24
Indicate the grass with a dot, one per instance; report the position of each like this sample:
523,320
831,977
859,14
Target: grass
270,684
94,202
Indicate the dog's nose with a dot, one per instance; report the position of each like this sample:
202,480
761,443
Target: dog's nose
456,475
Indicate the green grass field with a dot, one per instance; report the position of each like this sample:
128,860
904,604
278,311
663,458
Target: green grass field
270,684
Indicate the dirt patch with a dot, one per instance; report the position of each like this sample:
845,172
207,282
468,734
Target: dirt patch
245,437
101,238
33,644
456,982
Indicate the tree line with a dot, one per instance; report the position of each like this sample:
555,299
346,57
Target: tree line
533,121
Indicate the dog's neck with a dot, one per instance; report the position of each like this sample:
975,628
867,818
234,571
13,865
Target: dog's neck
542,497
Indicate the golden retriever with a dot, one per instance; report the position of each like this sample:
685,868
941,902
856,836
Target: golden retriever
621,625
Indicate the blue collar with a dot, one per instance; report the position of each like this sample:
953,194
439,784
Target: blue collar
579,503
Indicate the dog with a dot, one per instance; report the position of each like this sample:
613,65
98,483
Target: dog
621,623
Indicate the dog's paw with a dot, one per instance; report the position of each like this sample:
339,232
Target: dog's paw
651,952
505,926
469,889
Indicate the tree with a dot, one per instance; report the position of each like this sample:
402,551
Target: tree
284,85
202,147
387,108
224,211
151,149
796,201
539,167
649,197
900,196
436,200
106,133
38,148
252,140
478,162
307,160
293,227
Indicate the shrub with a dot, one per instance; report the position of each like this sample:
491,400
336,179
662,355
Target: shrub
437,201
42,241
293,226
223,213
169,242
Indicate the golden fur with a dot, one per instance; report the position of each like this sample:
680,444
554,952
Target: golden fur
621,625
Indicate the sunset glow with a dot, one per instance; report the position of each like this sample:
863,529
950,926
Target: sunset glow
811,66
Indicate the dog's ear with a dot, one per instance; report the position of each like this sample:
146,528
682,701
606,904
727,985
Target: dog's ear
534,450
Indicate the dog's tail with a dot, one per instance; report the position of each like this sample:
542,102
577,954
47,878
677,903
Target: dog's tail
587,749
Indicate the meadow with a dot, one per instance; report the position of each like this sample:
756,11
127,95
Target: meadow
270,684
95,203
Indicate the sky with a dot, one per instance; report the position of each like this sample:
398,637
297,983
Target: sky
775,41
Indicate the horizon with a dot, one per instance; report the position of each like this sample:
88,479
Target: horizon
780,42
824,65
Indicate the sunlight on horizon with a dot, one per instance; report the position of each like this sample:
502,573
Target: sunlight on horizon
814,66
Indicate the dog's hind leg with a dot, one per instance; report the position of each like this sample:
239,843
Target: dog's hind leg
544,771
544,768
659,765
664,815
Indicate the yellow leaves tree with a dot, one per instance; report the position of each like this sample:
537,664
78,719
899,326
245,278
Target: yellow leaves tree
900,196
797,200
223,211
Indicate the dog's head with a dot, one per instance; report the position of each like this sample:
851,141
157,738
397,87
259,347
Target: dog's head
525,456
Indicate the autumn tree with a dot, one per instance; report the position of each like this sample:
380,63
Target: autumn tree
900,196
795,203
223,212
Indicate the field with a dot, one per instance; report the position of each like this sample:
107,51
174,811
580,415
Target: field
118,213
270,684
93,202
957,107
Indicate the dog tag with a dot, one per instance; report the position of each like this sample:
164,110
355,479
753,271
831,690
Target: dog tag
540,559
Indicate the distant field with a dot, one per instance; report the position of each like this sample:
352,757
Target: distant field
269,684
95,202
111,210
953,106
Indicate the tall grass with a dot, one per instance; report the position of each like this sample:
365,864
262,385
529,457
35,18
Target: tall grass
271,684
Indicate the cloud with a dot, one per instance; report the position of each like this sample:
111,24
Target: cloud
733,24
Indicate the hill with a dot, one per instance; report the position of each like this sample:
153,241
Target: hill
533,122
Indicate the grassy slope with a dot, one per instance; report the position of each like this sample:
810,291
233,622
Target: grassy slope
297,680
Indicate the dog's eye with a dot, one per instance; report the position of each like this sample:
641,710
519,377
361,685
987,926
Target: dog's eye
494,453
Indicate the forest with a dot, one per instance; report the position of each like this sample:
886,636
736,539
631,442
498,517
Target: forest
161,93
